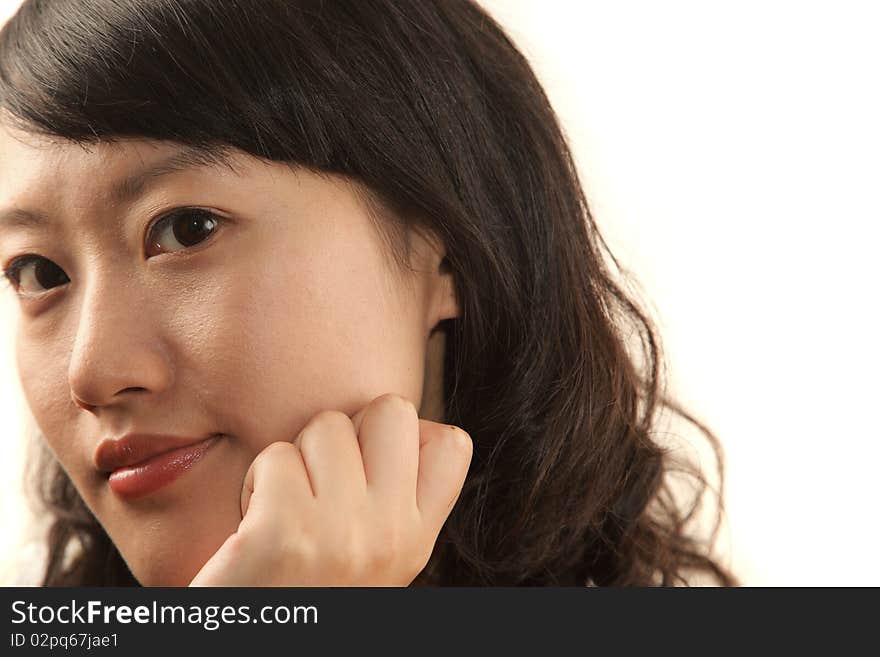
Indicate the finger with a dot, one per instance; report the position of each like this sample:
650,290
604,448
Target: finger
231,565
330,451
357,418
389,443
277,478
444,459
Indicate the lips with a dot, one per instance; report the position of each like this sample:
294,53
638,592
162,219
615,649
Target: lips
141,464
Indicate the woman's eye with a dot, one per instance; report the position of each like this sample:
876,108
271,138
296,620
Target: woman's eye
32,275
181,230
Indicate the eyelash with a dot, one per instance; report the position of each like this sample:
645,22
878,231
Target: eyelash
12,271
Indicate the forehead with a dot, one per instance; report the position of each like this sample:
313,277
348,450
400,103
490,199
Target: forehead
44,172
27,160
24,156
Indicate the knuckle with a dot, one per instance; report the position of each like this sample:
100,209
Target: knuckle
329,420
342,553
238,544
458,440
384,558
307,438
322,424
300,551
395,401
388,551
274,452
344,560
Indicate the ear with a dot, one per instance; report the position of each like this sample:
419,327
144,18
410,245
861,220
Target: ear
442,294
447,306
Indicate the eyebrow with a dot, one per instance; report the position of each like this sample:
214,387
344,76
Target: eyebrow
131,187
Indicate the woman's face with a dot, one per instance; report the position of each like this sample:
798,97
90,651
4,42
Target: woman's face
244,322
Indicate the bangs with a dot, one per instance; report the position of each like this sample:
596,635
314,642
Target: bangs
195,72
306,83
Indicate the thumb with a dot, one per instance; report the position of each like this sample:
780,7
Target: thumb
229,566
247,490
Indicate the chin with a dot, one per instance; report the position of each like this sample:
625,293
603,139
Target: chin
168,545
174,556
151,572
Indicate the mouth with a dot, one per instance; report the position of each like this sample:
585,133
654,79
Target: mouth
147,476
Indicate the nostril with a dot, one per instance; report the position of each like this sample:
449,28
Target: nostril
131,390
83,405
91,407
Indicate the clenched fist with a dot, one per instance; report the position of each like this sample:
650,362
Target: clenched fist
350,502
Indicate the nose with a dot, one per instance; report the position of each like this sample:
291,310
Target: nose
117,350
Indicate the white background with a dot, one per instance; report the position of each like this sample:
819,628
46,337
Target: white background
731,154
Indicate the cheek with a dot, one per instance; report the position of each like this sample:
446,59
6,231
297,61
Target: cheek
319,333
42,371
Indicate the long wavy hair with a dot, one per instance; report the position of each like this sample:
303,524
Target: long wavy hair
553,367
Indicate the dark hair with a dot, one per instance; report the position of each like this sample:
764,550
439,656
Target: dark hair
431,107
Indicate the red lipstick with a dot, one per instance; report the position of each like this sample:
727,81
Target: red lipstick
141,464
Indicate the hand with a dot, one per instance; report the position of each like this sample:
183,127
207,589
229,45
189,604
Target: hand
350,502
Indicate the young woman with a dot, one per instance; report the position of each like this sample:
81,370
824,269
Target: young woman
310,294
